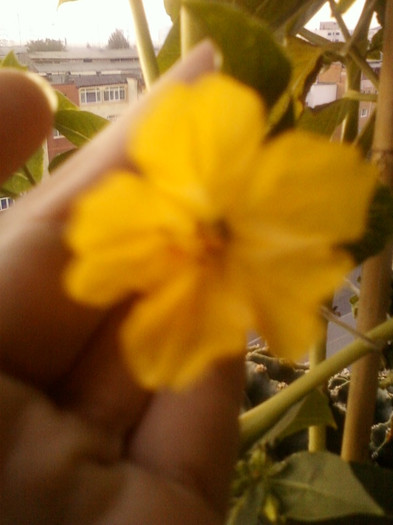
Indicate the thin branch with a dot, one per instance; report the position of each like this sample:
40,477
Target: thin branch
145,46
346,50
329,316
340,21
257,421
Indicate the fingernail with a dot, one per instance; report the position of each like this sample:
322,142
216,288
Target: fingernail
218,57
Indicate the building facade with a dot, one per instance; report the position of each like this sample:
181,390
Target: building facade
101,81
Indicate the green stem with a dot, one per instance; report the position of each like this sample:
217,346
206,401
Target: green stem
363,65
317,433
144,43
362,27
354,62
364,139
339,19
255,422
361,97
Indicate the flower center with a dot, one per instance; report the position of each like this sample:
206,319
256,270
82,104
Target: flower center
214,237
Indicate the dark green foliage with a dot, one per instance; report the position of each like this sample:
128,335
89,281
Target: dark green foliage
324,119
45,45
376,45
170,51
10,60
117,40
267,69
278,479
172,7
77,126
379,226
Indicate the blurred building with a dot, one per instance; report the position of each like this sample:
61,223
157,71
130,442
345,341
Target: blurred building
102,81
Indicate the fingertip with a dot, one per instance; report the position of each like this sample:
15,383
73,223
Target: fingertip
205,57
27,106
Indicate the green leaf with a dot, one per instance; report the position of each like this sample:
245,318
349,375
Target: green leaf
250,52
365,138
170,51
10,60
320,486
306,62
379,226
172,7
64,102
26,177
248,507
288,16
78,126
344,5
380,9
60,158
325,118
374,51
312,410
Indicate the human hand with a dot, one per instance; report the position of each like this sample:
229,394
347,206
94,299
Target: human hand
80,442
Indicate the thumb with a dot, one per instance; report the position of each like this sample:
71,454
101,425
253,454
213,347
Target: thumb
27,105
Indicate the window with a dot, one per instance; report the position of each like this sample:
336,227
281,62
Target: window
95,95
114,93
5,202
90,95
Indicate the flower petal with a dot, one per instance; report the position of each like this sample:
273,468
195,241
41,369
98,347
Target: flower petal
126,237
198,138
287,288
175,333
305,185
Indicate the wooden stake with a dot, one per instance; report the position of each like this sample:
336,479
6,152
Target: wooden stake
376,274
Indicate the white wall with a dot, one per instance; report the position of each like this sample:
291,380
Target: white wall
321,94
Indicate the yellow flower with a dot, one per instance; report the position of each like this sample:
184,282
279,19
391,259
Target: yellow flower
221,232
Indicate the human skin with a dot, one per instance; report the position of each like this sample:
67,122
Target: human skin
80,442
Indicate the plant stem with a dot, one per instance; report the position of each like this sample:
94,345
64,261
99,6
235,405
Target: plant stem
317,433
351,121
339,19
376,274
144,43
359,36
320,41
354,72
255,422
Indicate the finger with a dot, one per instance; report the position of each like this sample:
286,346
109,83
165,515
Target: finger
27,106
99,387
108,150
32,254
197,440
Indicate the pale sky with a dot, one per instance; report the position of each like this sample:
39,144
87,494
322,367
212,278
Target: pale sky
80,22
92,21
